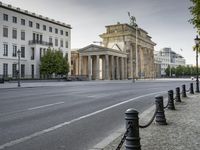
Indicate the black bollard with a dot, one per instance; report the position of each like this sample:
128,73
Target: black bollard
178,98
132,124
191,88
160,114
171,100
184,91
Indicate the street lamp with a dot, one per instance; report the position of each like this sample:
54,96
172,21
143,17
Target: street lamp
170,71
134,24
197,78
136,53
19,68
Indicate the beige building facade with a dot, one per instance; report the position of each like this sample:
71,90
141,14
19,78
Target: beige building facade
97,62
117,57
127,38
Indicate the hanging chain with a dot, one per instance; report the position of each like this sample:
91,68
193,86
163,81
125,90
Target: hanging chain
123,138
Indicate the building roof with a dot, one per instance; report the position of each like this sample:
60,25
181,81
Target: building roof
96,48
34,15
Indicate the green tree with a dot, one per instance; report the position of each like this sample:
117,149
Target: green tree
53,62
46,65
195,12
173,71
167,71
179,71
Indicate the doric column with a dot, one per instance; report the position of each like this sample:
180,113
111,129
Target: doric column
107,67
103,67
97,67
113,67
89,68
117,68
122,68
80,65
125,68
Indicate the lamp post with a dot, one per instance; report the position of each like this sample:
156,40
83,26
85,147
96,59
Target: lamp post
136,53
134,24
170,71
197,78
19,67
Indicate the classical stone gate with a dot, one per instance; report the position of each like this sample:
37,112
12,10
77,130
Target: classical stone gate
99,62
127,38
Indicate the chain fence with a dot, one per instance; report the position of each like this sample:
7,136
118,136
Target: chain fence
123,138
159,109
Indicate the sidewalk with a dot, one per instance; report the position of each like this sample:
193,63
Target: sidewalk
181,133
42,83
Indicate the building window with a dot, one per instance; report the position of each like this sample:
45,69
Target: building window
14,19
40,53
32,71
23,22
56,30
61,32
61,43
22,52
22,70
56,42
5,49
5,17
5,70
66,44
44,27
23,35
5,32
30,24
32,53
14,33
50,40
37,25
66,33
50,29
14,70
14,50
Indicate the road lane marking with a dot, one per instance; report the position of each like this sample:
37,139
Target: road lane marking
23,139
43,106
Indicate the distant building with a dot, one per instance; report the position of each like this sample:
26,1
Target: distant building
157,68
32,34
168,57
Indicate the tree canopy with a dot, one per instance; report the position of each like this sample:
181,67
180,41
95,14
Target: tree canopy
195,12
181,71
53,62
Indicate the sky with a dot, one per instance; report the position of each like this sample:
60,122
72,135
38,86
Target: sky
166,21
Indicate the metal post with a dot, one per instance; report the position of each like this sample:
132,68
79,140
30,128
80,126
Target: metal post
132,124
136,55
160,114
171,100
170,72
191,88
178,98
184,91
197,78
136,63
19,68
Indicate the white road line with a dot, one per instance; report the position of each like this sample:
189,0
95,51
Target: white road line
43,106
23,139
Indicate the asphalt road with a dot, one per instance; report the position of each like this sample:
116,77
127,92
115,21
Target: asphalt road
74,116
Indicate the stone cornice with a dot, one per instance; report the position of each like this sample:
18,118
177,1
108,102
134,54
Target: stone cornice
26,12
127,30
91,49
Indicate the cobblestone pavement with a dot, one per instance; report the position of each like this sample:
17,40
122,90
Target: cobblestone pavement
181,133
